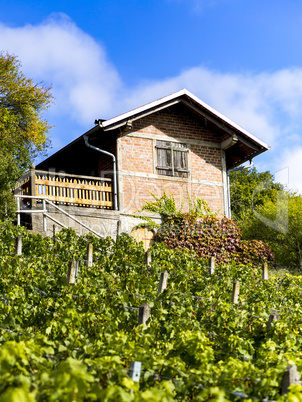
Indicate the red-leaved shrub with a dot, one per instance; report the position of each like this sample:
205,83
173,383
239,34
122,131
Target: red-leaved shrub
212,236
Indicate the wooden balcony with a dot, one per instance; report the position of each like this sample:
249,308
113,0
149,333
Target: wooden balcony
67,189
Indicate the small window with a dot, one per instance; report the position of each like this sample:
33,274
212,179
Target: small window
172,159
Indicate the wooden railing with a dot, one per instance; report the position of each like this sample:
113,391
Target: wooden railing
67,189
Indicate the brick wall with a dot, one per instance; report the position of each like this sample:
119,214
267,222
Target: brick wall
137,160
137,154
137,191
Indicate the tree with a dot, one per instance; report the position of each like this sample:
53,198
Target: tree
280,225
265,211
250,189
23,132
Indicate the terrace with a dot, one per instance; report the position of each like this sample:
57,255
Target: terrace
67,189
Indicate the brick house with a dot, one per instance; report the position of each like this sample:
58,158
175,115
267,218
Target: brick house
177,144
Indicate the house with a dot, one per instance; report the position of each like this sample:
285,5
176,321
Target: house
177,144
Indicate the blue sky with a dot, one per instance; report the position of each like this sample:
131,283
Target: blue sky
102,58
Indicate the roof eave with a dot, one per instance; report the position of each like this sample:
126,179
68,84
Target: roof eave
247,158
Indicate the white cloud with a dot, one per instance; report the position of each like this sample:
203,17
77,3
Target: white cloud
239,97
267,105
84,82
198,6
292,160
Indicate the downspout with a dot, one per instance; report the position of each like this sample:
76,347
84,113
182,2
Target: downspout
228,181
85,137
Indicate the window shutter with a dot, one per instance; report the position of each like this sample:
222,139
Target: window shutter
180,160
172,159
164,158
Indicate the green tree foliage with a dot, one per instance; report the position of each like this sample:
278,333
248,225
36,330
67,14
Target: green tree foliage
279,224
250,189
264,210
23,132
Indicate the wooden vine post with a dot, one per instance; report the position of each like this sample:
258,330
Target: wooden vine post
162,282
118,228
18,245
135,371
148,258
291,377
72,272
211,265
265,271
235,293
89,255
274,316
144,314
54,233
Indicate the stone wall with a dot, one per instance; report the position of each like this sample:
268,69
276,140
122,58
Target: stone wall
104,222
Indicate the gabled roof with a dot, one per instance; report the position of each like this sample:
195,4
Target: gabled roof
190,100
239,144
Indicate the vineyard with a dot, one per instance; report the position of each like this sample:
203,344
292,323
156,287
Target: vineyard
63,341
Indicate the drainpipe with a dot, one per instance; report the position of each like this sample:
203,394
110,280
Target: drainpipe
85,137
228,180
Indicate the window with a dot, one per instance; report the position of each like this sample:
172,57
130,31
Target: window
172,159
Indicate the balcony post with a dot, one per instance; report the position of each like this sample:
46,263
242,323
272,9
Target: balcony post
33,185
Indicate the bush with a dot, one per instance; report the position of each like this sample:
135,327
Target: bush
213,236
202,231
253,252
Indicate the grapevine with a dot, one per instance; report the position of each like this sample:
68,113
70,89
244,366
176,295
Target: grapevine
76,342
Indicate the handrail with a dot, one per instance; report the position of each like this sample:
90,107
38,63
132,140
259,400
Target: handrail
72,217
45,200
24,176
56,221
30,196
72,175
